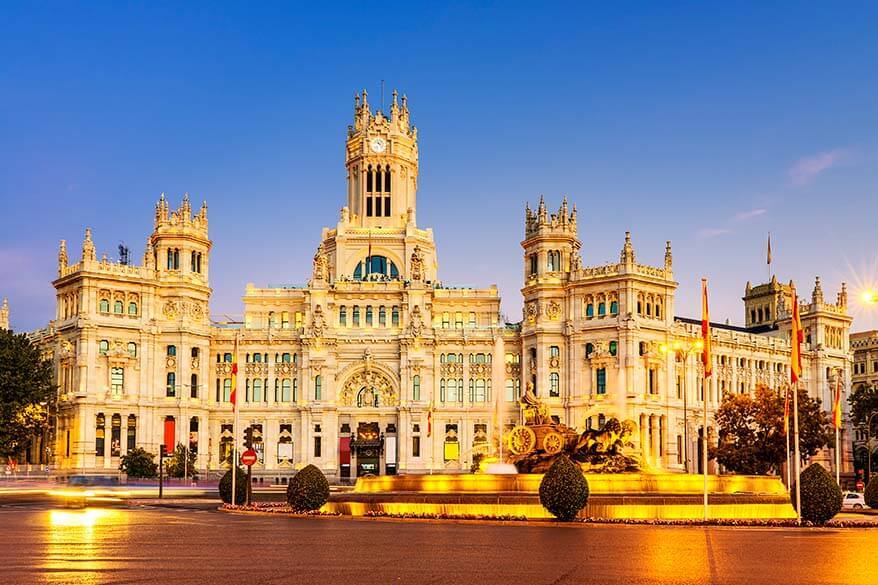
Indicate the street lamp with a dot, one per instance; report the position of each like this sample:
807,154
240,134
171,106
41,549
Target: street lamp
682,350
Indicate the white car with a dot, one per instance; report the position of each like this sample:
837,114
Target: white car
853,501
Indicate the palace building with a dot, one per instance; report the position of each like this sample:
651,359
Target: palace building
376,366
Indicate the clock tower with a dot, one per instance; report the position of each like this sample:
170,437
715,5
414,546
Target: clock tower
381,158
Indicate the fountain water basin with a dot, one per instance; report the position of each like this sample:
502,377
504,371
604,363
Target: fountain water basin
612,496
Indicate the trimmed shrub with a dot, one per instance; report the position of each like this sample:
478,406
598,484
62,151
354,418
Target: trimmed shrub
139,463
225,487
871,493
308,490
821,496
564,489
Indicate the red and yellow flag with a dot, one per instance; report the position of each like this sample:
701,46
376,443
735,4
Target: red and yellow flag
797,337
706,357
232,395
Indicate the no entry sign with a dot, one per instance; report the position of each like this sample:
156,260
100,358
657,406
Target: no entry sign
248,457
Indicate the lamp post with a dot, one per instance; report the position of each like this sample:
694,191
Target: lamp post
682,350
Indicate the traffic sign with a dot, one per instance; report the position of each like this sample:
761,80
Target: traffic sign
248,457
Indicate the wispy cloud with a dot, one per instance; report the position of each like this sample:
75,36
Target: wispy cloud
707,233
810,167
745,215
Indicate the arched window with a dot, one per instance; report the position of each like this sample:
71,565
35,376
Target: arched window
394,316
374,267
648,309
132,433
589,310
554,384
295,389
602,309
658,309
176,259
104,306
193,386
171,390
257,390
100,434
285,390
227,389
132,308
118,307
458,320
640,307
103,347
172,351
382,316
318,387
416,387
356,316
132,349
369,315
614,348
342,316
170,259
589,349
614,307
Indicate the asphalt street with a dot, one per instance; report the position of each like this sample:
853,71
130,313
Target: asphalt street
153,545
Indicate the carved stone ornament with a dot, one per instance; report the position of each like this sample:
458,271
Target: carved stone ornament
321,264
171,309
530,312
417,264
553,310
417,322
368,388
318,322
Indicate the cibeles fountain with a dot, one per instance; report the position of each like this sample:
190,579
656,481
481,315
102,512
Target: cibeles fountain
620,485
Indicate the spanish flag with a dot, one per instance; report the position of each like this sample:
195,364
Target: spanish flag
706,357
232,396
797,337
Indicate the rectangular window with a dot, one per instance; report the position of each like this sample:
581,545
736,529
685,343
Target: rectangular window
416,446
416,388
652,381
554,351
227,390
318,387
171,389
394,317
601,380
458,320
317,446
387,204
342,316
472,320
680,449
369,206
117,380
369,315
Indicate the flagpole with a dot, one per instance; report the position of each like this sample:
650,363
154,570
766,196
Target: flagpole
786,431
235,425
836,419
796,339
707,360
798,458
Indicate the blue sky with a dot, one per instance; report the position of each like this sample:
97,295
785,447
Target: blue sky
706,124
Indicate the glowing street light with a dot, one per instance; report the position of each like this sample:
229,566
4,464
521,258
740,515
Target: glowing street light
682,350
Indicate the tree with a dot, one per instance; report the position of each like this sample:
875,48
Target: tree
864,403
564,489
821,496
177,465
26,390
751,435
139,463
225,487
871,494
308,490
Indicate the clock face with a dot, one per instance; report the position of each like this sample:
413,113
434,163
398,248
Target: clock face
378,145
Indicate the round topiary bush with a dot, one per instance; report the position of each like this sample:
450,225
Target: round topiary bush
308,490
564,489
821,496
871,493
225,487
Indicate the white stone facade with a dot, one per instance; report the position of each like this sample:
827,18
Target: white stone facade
375,365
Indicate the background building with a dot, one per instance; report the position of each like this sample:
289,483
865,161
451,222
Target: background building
377,366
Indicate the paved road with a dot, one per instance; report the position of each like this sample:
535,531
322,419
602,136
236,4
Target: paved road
148,545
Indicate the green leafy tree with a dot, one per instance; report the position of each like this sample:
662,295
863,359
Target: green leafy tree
564,489
26,390
821,496
864,403
139,463
177,465
308,489
225,487
871,493
751,435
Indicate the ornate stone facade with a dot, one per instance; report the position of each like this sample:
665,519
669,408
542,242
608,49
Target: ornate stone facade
376,366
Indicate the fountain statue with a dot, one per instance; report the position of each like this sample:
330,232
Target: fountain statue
536,444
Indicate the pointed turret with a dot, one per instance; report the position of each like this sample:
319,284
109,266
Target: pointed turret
62,256
4,314
669,257
842,299
627,254
817,293
88,246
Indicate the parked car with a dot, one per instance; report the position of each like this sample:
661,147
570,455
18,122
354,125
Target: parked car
853,501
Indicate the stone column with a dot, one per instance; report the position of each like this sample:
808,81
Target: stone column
654,440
